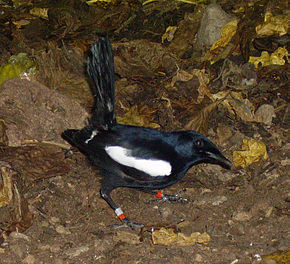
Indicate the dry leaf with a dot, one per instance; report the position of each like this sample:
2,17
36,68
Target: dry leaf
21,23
273,25
136,116
203,82
167,236
193,2
6,192
277,57
3,136
278,257
200,121
236,104
14,211
224,133
182,76
252,151
227,32
39,12
203,79
169,34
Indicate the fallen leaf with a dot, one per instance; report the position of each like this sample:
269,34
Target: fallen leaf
203,79
167,236
21,23
14,211
203,82
3,136
279,257
17,65
273,25
39,12
6,191
136,116
236,104
200,121
252,151
277,58
224,133
169,34
227,32
182,76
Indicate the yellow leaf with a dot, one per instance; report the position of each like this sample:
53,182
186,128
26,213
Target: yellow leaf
273,25
227,32
277,57
6,191
252,151
21,23
39,12
193,2
169,34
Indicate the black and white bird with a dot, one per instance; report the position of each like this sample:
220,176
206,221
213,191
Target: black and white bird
129,156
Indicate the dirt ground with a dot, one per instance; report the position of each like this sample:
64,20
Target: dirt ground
243,211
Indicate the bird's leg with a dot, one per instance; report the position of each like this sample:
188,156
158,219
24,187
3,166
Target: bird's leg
105,194
176,198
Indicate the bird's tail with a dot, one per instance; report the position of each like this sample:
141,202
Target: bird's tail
100,67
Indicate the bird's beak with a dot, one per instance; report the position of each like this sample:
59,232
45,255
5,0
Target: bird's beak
218,158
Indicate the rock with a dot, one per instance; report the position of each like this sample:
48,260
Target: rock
165,212
242,216
198,258
219,200
54,220
30,259
74,252
62,230
34,112
17,235
213,19
265,114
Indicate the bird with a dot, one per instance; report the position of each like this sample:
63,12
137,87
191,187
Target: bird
133,157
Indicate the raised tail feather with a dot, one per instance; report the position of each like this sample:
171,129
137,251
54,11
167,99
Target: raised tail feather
100,67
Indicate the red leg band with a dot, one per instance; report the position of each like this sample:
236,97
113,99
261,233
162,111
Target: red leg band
121,216
159,195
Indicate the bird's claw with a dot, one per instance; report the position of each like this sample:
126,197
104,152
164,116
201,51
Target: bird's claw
173,199
127,223
176,198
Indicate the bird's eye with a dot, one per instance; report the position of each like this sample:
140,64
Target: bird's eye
199,143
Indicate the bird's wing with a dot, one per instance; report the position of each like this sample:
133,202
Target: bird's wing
143,149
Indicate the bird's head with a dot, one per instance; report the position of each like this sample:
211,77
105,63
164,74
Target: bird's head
199,149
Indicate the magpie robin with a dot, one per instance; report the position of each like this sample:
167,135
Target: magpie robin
129,156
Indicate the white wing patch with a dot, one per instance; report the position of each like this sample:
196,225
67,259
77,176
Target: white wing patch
153,167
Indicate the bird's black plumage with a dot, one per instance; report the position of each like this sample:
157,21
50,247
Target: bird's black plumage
130,156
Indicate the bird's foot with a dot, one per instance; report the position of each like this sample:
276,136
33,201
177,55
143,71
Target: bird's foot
176,198
127,223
